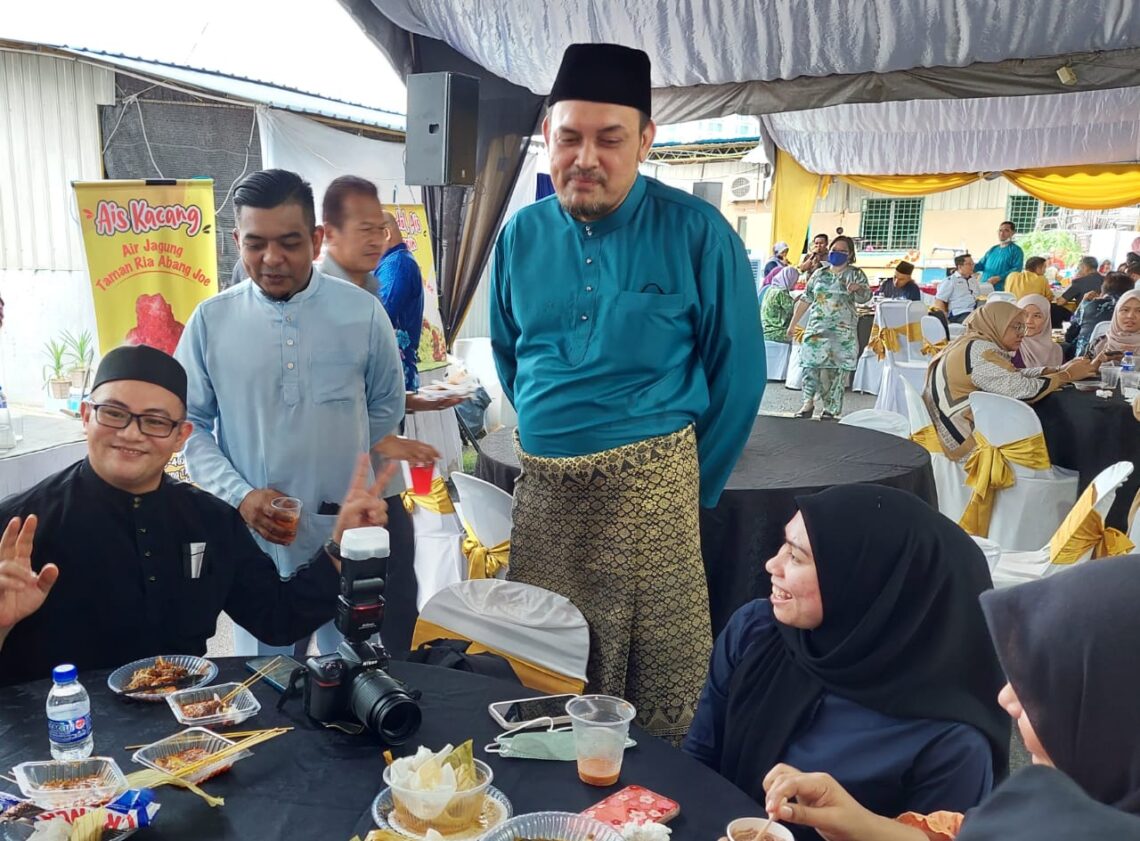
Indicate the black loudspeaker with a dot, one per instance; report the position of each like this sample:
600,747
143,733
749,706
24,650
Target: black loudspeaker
442,129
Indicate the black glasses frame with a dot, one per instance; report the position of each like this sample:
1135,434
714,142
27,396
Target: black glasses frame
100,410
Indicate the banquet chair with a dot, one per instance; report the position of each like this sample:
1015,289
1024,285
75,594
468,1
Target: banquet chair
795,374
892,423
1081,536
908,361
949,477
1036,495
869,368
956,330
776,354
1008,297
438,559
541,634
985,290
1099,330
486,513
935,335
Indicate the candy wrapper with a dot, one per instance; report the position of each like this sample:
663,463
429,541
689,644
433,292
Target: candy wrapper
128,812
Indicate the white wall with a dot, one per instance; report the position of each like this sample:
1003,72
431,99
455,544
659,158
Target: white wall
50,136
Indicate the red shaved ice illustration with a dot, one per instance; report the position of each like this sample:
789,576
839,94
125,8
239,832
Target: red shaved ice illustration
155,325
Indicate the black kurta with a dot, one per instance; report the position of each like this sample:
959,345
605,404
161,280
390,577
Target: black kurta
126,587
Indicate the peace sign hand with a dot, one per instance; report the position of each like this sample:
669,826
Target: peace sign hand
364,505
22,591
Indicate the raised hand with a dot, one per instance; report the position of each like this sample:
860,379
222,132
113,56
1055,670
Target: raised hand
22,591
364,505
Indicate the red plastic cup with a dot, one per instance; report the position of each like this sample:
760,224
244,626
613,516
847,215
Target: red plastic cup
421,478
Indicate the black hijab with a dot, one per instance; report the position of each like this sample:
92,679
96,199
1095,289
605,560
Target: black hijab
902,632
1040,803
1069,646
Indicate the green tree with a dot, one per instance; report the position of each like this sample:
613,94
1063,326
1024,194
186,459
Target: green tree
1064,244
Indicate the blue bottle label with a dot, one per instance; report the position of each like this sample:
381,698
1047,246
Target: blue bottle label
69,730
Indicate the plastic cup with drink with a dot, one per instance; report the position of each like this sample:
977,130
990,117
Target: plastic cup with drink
422,475
601,725
1130,384
1109,375
287,513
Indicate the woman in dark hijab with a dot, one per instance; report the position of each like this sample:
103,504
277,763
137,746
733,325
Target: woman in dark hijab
1068,646
870,660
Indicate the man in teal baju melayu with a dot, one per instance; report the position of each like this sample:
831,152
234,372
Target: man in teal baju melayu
625,330
1001,259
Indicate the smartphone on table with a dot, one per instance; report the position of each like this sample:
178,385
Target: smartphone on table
634,804
278,676
512,714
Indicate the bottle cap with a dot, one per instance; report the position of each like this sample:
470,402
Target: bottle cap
362,543
65,673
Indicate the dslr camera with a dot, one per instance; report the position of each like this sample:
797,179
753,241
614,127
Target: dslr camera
353,682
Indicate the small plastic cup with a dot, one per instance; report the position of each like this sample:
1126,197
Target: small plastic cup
287,512
601,726
1109,375
1129,384
421,478
749,829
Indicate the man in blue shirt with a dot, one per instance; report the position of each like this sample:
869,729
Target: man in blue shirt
292,374
1001,259
621,311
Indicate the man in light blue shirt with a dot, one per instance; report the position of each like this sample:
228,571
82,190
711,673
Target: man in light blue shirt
291,375
957,295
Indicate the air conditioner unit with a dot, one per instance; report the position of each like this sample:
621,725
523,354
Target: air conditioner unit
744,187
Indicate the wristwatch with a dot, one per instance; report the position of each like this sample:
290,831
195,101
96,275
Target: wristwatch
332,548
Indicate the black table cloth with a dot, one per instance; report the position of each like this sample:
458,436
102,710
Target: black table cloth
319,783
784,458
1087,433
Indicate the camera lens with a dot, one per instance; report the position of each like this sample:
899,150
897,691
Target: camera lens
380,703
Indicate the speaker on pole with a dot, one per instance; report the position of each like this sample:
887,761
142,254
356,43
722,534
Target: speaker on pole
442,129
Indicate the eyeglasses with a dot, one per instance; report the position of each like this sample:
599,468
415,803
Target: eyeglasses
1020,328
116,417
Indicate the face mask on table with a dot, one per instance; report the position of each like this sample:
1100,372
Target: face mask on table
538,744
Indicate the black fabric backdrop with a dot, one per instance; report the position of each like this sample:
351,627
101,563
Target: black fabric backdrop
784,457
318,783
1087,433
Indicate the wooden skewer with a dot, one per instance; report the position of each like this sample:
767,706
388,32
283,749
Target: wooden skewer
234,734
9,779
258,675
226,753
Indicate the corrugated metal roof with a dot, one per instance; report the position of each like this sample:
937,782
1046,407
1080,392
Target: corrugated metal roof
252,91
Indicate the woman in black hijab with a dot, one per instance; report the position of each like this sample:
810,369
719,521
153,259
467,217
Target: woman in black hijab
870,660
1068,645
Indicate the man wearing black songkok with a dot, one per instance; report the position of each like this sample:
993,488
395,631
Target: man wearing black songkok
110,560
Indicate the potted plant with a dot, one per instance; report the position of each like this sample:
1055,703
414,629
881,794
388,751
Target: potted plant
55,372
80,354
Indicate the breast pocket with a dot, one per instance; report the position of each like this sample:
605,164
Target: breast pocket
657,329
335,376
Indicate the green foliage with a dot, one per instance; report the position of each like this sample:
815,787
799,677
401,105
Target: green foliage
80,349
57,355
1064,244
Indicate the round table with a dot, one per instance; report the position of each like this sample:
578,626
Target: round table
319,783
1087,433
784,458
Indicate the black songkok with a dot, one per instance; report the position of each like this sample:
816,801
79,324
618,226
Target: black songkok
146,364
604,73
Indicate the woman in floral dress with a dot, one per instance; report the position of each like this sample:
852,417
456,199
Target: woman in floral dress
830,345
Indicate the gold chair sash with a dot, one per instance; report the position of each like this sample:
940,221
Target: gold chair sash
1084,529
890,338
484,562
988,471
933,348
927,438
438,500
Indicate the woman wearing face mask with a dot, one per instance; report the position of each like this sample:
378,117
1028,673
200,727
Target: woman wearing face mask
1124,332
830,344
1067,644
1037,350
870,660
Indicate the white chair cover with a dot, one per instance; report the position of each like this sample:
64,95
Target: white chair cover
1018,567
891,423
776,357
795,374
949,477
439,557
868,371
518,619
985,289
486,508
908,363
1099,330
1026,514
956,330
1008,297
933,330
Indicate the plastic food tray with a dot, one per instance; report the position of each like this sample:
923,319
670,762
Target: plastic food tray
33,776
118,679
242,706
564,826
194,737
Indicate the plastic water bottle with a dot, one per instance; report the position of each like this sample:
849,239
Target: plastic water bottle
1128,363
7,427
69,715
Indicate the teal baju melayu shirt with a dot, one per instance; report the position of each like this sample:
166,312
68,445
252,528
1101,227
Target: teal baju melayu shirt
628,327
999,261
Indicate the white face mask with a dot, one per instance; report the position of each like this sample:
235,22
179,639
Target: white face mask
552,743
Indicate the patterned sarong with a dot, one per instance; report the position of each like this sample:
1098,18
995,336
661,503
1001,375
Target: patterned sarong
617,533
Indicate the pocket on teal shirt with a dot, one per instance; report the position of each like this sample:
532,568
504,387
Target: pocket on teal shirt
651,302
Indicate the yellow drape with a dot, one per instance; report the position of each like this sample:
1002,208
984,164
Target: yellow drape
1084,529
912,185
483,562
931,349
927,438
988,470
793,200
890,338
529,674
438,500
1086,187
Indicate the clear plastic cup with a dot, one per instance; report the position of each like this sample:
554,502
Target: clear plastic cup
1129,384
1109,375
287,512
601,726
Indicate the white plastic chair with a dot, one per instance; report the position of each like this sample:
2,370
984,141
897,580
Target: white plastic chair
1045,495
891,423
949,477
1019,567
869,368
439,557
776,357
542,634
985,290
1101,329
933,330
908,363
1008,297
795,374
956,330
486,509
